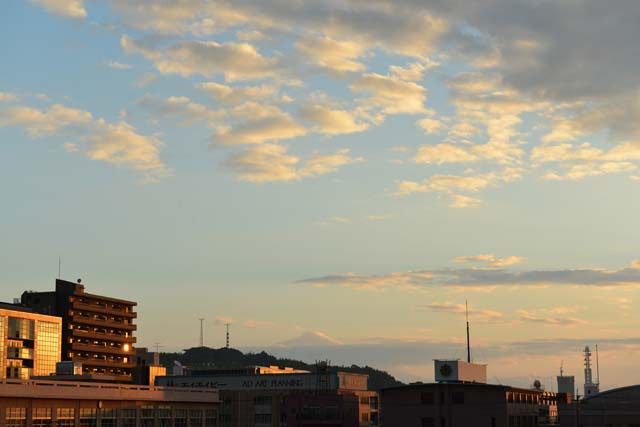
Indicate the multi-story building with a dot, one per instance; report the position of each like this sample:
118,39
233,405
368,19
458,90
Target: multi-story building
273,397
29,342
43,403
96,330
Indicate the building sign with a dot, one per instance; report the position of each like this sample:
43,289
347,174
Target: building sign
249,382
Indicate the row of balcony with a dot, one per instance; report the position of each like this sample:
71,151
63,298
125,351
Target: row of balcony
94,348
121,338
79,305
86,320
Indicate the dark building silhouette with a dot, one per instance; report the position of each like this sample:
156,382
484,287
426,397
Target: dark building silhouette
97,331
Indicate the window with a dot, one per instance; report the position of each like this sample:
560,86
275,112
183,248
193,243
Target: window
426,398
210,418
262,400
128,417
195,418
262,418
88,417
147,416
16,417
65,417
47,348
108,418
364,417
428,422
41,417
180,418
457,397
364,400
164,416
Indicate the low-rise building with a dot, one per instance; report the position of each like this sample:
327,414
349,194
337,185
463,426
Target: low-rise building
618,407
68,404
29,342
460,404
269,399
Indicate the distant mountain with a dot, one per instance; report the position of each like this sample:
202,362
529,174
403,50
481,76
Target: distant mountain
228,358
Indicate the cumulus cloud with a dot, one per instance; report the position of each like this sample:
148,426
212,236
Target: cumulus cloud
236,61
452,185
390,94
44,122
334,55
332,121
237,94
261,124
491,260
470,278
66,8
182,108
271,162
116,143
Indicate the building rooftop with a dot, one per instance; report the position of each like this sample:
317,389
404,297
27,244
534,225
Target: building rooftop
45,389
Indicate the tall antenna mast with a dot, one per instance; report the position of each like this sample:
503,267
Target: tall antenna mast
59,265
227,325
561,368
597,368
201,332
468,340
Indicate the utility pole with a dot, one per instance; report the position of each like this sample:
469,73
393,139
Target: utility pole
201,332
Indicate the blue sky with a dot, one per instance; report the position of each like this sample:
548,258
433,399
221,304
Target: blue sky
308,171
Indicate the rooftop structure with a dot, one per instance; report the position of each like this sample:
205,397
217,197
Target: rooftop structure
459,371
590,388
96,330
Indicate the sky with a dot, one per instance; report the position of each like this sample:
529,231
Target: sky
334,178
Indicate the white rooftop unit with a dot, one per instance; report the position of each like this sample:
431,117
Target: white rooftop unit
460,371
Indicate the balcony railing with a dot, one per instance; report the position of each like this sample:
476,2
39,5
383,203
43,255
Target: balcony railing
104,336
85,320
104,310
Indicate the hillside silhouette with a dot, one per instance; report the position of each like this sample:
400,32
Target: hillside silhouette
229,358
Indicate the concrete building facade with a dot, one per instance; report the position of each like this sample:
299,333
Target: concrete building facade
270,399
69,404
30,343
97,331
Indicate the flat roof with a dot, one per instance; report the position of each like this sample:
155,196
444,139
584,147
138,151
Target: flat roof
30,315
46,389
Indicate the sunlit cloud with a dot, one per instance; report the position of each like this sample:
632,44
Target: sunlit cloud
66,8
477,278
491,260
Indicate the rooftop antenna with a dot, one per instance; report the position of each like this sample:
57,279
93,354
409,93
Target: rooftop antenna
157,346
201,332
227,325
59,266
468,341
561,370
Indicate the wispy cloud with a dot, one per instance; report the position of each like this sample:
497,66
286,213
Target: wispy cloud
470,278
